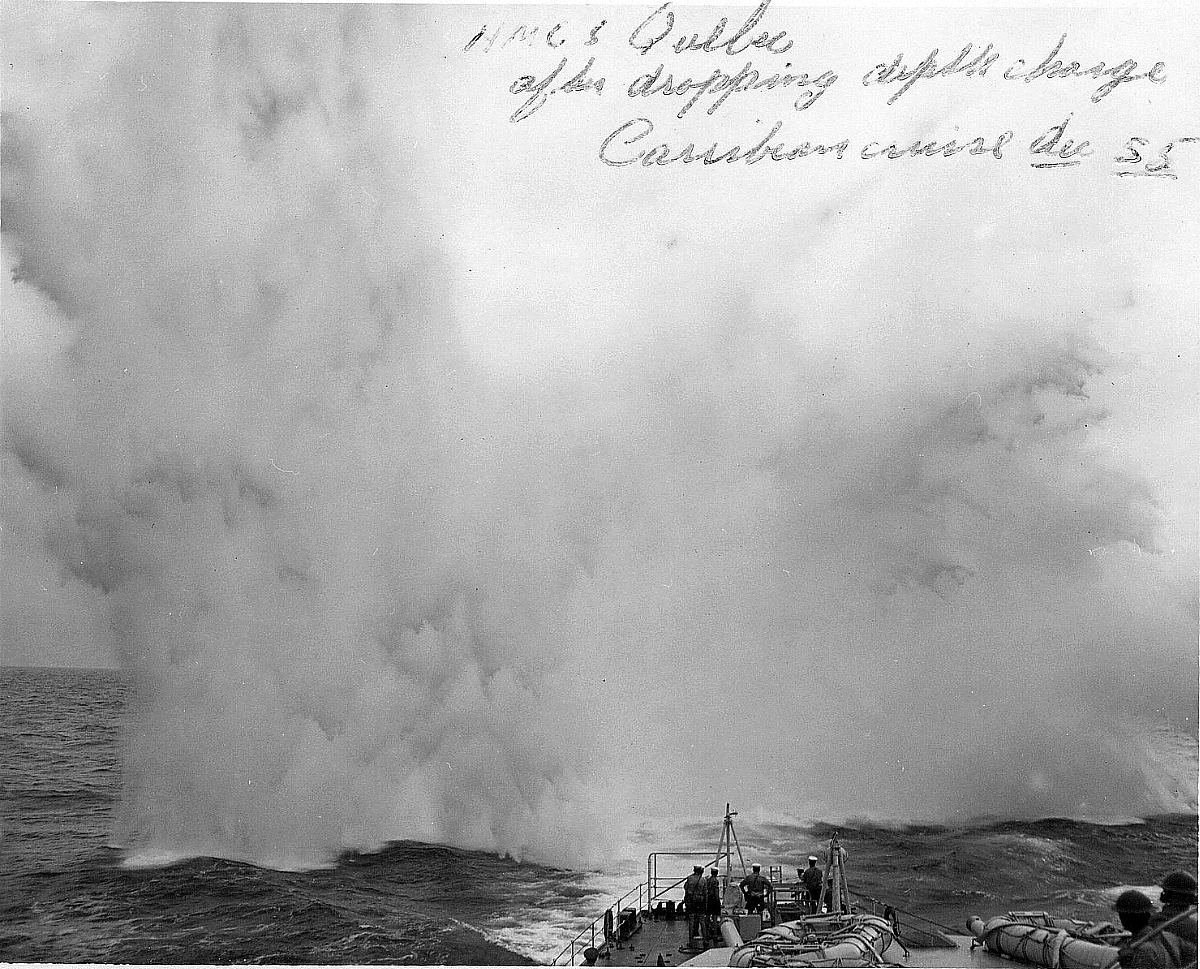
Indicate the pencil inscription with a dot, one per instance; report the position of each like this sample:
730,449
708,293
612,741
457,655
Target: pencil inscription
777,73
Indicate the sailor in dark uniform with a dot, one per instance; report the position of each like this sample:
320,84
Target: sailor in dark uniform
755,889
693,900
811,879
1147,949
1178,895
712,906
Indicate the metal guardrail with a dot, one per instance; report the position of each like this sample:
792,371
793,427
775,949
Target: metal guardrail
653,879
652,890
587,938
646,894
900,911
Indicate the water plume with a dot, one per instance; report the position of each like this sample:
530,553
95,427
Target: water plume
377,576
322,565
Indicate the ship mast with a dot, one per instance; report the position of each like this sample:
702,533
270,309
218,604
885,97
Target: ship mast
729,841
835,878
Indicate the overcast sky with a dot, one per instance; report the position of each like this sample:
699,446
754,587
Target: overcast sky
427,463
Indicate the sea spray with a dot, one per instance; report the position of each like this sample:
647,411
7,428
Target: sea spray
394,554
323,557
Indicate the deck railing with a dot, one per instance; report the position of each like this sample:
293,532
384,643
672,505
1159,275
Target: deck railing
594,936
877,905
644,894
656,881
605,929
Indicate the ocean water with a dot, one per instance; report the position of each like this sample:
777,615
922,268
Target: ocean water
67,895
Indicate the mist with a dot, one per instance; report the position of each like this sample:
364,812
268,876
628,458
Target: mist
410,521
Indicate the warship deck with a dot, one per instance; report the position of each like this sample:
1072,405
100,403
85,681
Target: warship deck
664,943
647,925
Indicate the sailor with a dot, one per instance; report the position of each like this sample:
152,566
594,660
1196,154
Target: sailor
755,889
712,906
1178,895
1146,949
693,900
810,877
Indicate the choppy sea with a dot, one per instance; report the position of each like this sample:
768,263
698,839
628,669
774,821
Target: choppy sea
66,896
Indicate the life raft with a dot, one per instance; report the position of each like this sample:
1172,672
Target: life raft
854,940
1051,945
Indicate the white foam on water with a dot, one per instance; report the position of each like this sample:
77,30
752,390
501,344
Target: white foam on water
147,858
1108,896
540,931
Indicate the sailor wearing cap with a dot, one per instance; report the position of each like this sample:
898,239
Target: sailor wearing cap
693,899
755,889
810,877
1146,949
712,906
1178,895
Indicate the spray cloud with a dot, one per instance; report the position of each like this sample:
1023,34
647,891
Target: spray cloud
386,561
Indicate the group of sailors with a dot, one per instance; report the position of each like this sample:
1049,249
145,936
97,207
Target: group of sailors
1165,939
703,896
702,903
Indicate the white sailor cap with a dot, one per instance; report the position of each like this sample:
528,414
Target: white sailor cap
813,858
